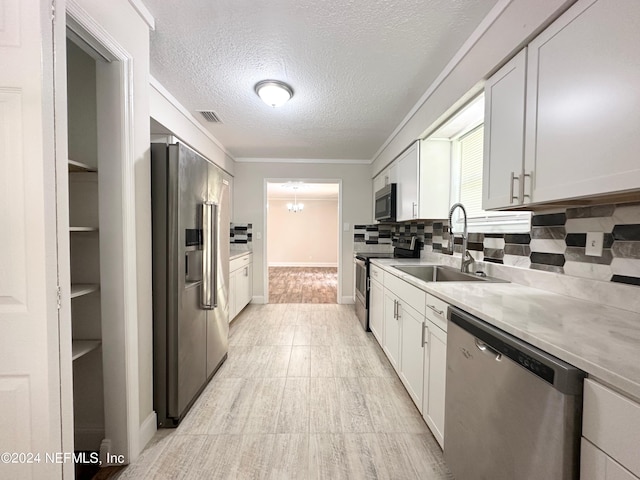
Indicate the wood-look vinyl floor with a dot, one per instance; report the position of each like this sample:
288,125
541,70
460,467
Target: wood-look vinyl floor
303,285
304,394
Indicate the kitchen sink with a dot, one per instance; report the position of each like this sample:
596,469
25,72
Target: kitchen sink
440,273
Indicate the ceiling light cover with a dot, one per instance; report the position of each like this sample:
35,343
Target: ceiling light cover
273,92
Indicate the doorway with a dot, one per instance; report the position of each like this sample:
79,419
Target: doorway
303,241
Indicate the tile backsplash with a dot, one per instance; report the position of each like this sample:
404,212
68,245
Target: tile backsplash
241,233
556,242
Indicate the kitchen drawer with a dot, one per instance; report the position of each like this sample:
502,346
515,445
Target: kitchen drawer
436,311
376,273
611,422
240,262
413,296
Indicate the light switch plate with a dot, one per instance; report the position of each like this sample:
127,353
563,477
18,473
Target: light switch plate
346,227
593,247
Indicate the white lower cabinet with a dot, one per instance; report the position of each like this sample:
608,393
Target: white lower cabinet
391,343
411,352
376,310
597,465
435,374
240,284
611,435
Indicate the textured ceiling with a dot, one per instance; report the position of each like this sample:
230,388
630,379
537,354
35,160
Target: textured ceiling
357,67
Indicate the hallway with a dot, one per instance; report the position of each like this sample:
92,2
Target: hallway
303,285
305,393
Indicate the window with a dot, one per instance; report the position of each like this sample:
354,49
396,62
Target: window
465,131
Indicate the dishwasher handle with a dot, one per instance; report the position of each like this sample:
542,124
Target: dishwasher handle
484,348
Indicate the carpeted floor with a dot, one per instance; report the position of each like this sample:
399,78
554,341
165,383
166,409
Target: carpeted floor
303,285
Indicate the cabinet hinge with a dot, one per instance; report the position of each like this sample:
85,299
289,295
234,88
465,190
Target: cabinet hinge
59,295
53,10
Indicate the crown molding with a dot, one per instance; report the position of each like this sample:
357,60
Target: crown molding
335,161
144,13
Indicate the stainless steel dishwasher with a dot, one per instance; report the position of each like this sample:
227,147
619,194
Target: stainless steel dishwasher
512,411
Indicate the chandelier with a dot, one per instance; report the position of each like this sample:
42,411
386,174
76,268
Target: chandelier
295,207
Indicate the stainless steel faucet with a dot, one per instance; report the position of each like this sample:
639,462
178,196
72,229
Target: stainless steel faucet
466,259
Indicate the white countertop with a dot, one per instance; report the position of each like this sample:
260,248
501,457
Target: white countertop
237,252
603,341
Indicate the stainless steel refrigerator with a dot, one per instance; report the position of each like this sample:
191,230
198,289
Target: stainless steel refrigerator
190,215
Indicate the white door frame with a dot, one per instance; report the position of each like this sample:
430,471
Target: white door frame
265,203
120,339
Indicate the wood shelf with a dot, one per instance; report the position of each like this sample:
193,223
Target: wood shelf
82,347
79,289
76,167
83,229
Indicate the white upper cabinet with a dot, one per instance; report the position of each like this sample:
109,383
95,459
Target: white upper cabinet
435,178
504,135
407,168
582,110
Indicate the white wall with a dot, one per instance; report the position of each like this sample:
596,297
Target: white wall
166,110
519,22
121,21
249,199
305,238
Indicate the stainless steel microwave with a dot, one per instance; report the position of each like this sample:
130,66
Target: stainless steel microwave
386,203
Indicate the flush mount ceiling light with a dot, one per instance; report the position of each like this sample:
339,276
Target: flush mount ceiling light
273,92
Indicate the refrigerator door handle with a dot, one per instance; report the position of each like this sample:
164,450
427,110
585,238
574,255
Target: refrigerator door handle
207,251
214,252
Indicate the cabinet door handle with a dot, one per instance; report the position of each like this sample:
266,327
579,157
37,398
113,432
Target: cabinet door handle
398,316
414,212
246,271
424,337
395,309
432,307
522,177
513,197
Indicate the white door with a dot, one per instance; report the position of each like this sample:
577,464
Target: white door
434,389
412,352
391,345
376,310
504,96
29,343
583,102
407,190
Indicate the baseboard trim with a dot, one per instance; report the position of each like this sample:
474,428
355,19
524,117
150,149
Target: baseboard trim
147,430
259,299
303,264
347,301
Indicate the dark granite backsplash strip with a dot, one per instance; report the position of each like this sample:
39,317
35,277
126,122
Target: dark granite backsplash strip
548,232
496,253
547,268
494,260
627,232
556,259
476,237
576,254
576,240
548,220
494,235
626,279
626,250
591,212
517,249
520,238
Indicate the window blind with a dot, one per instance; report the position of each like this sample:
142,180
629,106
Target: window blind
471,151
